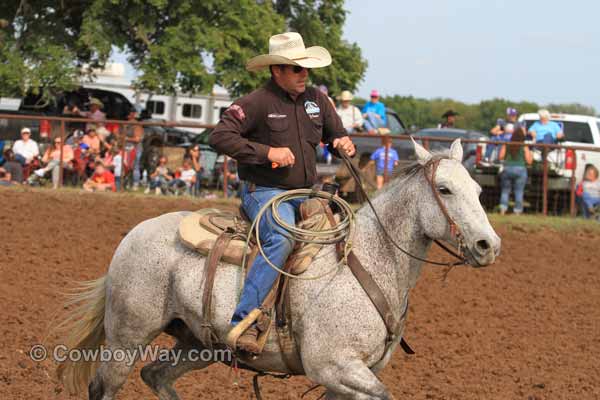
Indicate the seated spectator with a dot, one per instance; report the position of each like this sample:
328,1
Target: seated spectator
449,119
544,130
378,157
502,132
589,192
12,167
93,141
160,177
51,159
514,175
374,114
101,181
26,149
350,115
186,178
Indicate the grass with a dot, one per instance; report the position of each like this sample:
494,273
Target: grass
536,222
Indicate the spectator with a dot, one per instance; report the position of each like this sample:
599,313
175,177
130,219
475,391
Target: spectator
350,115
101,181
160,177
502,132
378,157
449,119
117,162
52,160
233,180
589,192
95,106
374,114
5,178
514,176
544,130
12,167
92,139
323,89
186,179
195,157
134,137
25,149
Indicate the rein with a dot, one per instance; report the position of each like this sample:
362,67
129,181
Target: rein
433,165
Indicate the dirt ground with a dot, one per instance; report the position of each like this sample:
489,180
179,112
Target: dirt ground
527,327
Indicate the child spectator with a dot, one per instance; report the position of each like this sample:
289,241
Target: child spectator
514,175
117,161
378,157
160,177
589,191
92,139
12,167
52,160
195,157
186,179
102,180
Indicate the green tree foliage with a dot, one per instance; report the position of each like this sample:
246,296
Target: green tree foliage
321,22
186,45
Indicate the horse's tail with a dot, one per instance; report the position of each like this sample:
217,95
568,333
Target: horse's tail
84,328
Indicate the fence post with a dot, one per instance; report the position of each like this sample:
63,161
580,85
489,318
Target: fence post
545,182
62,145
572,199
225,173
385,164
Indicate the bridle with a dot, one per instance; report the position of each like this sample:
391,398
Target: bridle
431,165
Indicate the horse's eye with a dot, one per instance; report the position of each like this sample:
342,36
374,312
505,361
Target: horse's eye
444,190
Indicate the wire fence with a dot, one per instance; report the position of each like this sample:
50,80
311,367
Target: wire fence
551,184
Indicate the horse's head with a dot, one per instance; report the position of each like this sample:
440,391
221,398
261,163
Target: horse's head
459,195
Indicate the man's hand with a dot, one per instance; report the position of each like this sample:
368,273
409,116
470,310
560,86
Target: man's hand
345,143
281,156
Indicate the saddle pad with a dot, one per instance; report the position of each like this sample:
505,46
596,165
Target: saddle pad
200,230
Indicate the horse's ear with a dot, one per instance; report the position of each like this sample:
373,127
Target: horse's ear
423,156
456,151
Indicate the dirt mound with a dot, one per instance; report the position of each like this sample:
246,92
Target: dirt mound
526,327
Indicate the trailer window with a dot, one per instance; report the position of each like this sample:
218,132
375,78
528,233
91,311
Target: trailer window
192,111
155,107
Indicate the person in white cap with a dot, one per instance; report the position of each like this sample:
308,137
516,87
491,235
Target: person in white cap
273,133
351,116
25,149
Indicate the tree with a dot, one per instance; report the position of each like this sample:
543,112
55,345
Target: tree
321,22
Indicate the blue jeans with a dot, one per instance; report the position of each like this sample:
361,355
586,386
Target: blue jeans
276,246
137,164
372,121
513,177
588,202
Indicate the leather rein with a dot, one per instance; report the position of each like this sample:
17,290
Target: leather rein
432,166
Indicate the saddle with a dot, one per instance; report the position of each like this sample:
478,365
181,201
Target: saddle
221,235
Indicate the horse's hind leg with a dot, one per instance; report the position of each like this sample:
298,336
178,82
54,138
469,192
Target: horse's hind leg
352,381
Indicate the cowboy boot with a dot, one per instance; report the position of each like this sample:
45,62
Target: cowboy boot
248,341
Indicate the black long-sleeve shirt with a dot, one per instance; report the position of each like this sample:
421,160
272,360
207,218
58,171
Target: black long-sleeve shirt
269,117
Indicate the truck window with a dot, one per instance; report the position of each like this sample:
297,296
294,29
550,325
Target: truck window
578,132
155,107
394,125
192,111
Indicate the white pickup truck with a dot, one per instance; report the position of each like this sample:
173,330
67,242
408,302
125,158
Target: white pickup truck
579,130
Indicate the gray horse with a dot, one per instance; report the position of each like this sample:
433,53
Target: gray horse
153,281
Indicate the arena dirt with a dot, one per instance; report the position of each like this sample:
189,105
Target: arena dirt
526,328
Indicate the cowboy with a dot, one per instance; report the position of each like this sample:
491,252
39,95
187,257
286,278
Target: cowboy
95,106
273,133
450,119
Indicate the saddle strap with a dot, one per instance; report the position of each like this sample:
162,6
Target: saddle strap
207,333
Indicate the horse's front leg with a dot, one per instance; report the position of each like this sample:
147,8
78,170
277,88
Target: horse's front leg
349,380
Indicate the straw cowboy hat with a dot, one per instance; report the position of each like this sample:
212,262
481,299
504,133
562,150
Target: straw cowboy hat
288,48
96,102
345,96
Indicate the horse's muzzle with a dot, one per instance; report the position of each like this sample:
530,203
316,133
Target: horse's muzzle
483,252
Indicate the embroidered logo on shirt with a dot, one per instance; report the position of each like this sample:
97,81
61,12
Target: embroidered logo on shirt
237,112
312,109
276,116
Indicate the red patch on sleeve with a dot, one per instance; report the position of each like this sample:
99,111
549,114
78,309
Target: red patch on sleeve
237,112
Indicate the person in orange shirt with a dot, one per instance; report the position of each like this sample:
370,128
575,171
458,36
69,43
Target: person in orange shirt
52,160
102,180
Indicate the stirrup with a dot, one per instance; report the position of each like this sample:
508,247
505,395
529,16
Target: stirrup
237,331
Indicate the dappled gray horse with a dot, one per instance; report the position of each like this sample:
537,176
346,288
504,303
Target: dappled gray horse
154,280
